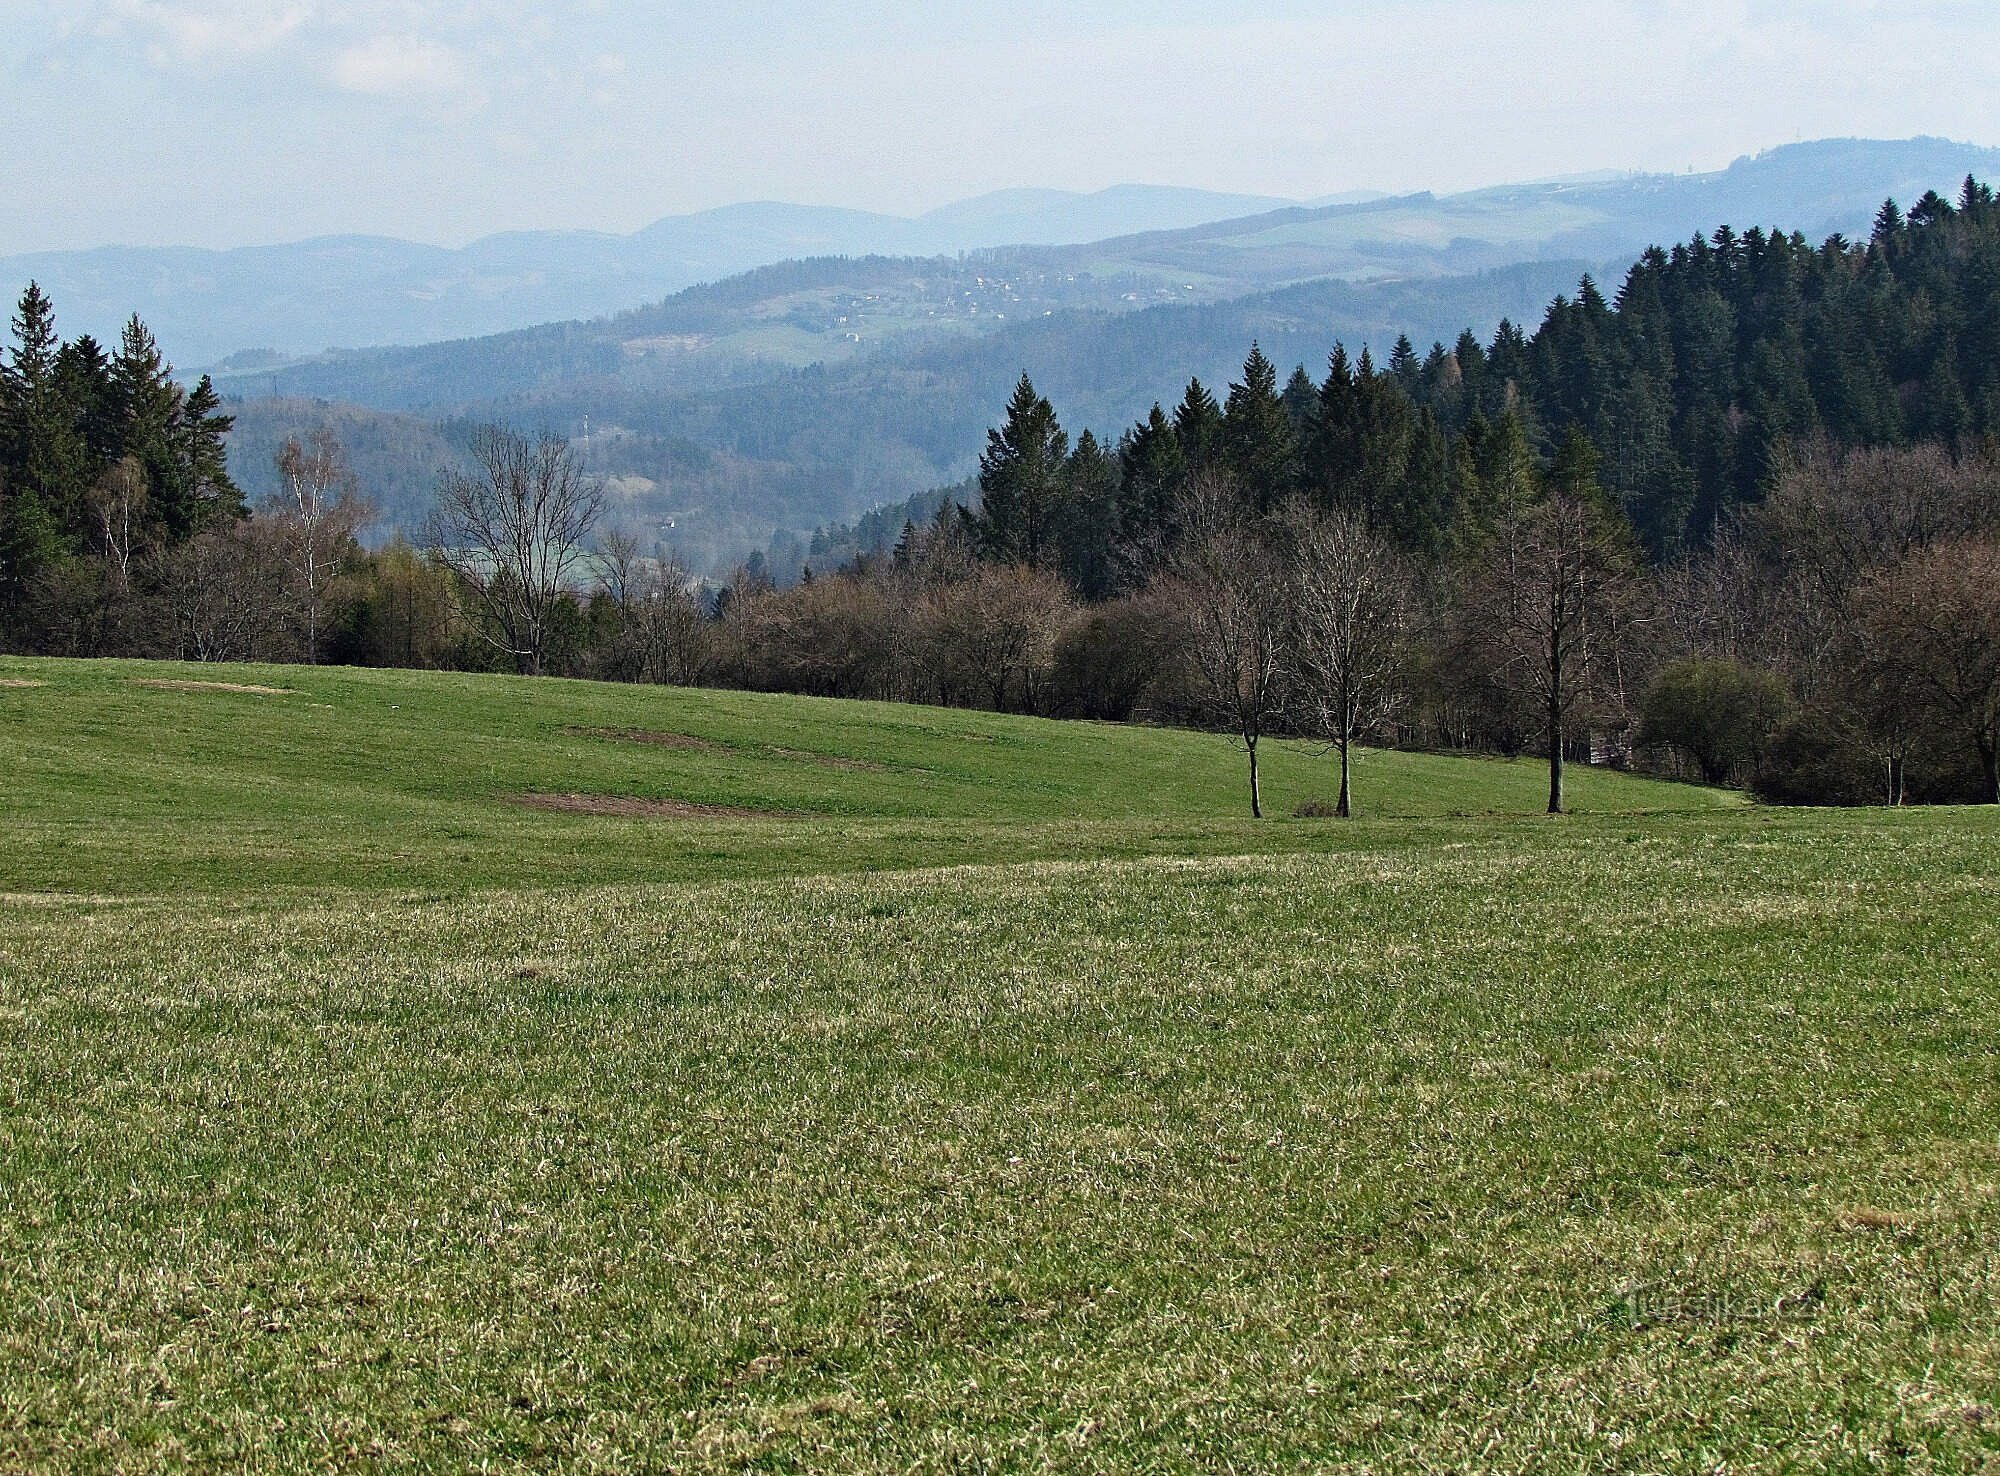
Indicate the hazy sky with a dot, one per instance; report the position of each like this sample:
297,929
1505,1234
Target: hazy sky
225,122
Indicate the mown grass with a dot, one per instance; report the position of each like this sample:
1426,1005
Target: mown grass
412,780
1647,1142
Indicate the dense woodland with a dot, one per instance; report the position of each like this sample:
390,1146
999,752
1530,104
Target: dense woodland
1736,521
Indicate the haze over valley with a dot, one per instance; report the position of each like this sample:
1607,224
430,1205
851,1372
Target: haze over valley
806,392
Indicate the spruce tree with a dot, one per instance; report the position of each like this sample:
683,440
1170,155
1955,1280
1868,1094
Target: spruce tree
1151,472
148,404
1086,523
1020,478
1198,425
49,464
1257,433
201,448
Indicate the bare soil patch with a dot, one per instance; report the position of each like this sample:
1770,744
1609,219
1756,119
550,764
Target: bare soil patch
19,684
635,807
166,686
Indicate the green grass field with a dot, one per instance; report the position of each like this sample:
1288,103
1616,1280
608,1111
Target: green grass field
995,1099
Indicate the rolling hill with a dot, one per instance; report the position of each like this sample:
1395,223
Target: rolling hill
806,392
300,297
400,779
988,1099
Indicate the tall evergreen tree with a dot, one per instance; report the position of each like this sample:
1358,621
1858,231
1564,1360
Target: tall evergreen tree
1257,433
1020,479
1198,425
1086,522
1152,472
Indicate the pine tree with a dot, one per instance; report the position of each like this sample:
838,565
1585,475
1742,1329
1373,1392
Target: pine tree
1420,514
201,447
1198,425
1086,522
1020,478
148,404
1301,399
1152,471
1404,366
1257,433
49,465
1333,455
28,545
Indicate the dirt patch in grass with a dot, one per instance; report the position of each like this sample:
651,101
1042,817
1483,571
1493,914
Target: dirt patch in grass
255,691
18,684
634,807
684,741
830,761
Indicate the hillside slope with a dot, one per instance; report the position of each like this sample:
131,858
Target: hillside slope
135,776
356,291
349,1125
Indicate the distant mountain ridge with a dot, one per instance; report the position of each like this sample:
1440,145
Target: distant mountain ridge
362,291
807,392
359,291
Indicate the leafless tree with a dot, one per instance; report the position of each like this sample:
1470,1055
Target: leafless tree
219,590
1930,629
118,507
1226,584
1839,515
991,638
316,517
515,533
663,636
1546,605
1348,644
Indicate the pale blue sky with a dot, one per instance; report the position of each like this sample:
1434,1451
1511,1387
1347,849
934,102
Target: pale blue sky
223,122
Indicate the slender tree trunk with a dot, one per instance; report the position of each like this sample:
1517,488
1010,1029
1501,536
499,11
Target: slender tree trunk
1555,760
1346,807
1989,751
1895,780
1256,788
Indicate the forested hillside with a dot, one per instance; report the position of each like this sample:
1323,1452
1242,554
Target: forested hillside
1737,516
811,391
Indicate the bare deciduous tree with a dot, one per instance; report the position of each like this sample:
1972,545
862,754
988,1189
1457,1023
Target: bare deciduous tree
316,517
664,631
1546,605
1348,648
515,533
219,590
991,638
118,507
1930,628
1226,585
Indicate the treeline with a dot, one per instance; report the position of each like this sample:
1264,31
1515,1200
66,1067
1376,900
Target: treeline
1732,523
1716,361
1738,524
107,467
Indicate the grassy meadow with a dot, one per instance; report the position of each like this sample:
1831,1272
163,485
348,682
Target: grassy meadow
435,1072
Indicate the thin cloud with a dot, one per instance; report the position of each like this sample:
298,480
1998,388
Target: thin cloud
206,31
391,65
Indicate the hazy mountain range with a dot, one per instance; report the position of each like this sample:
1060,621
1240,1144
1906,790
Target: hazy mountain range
358,291
807,391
